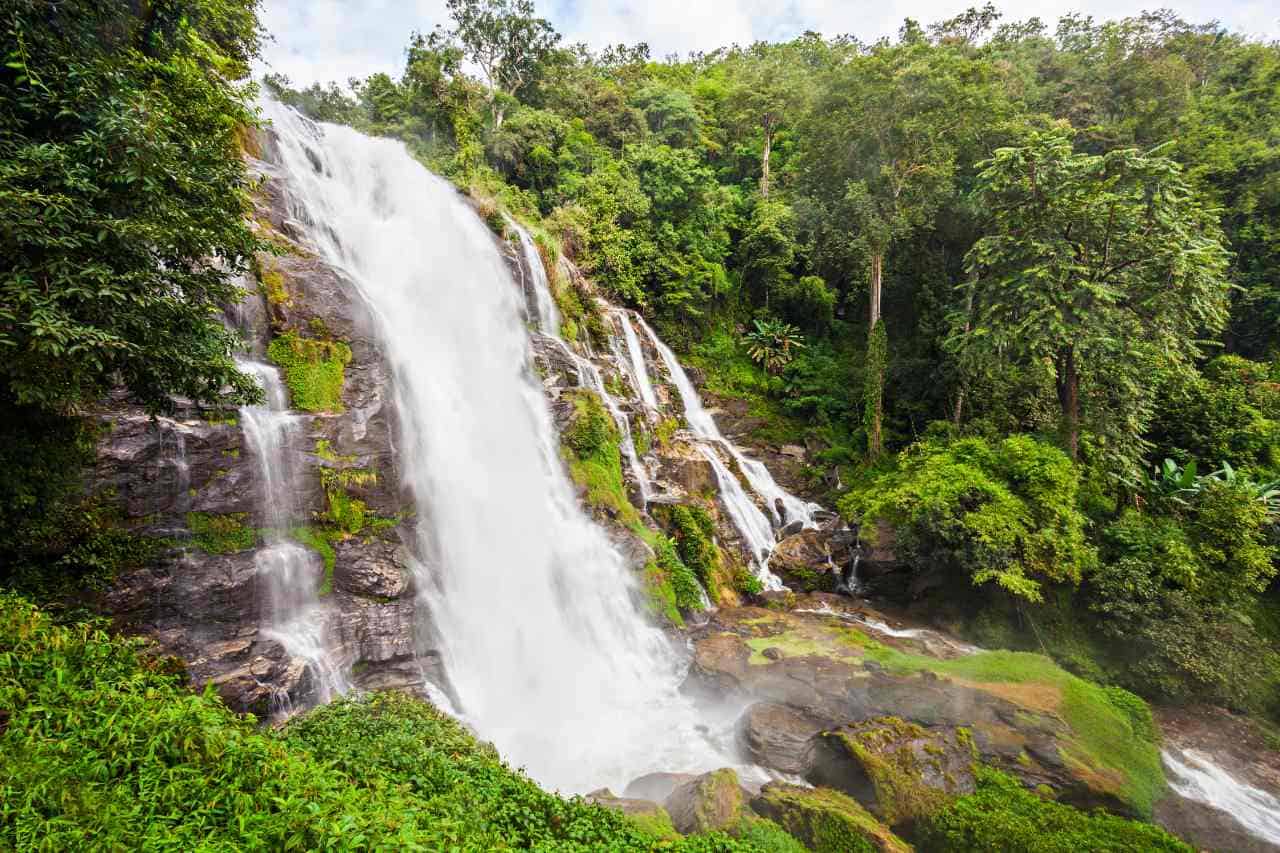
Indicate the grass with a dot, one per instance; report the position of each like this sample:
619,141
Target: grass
1002,815
314,370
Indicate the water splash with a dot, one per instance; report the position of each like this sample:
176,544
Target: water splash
539,630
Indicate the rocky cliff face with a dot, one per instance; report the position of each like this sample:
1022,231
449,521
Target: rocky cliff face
193,480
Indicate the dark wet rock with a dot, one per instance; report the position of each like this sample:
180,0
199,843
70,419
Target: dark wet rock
803,561
709,802
635,552
1233,743
374,569
682,464
777,736
208,609
820,672
656,786
824,820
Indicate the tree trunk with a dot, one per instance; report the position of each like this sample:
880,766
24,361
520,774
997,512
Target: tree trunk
876,357
958,411
764,162
1069,399
877,268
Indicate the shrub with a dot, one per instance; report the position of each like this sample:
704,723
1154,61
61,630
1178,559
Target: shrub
102,748
1001,512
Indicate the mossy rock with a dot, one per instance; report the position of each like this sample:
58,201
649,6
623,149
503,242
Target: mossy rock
826,821
901,771
710,802
314,370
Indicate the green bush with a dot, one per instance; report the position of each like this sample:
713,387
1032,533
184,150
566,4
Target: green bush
1003,816
1003,512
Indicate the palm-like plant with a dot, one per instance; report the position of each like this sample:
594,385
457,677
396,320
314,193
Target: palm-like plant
773,344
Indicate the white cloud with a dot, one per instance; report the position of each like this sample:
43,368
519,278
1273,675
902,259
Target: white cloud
319,40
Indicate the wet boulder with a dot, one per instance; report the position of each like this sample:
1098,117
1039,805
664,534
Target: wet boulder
709,802
824,820
901,771
777,736
803,561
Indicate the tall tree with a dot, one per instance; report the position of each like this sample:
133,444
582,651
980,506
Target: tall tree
881,147
1103,266
124,196
507,41
767,91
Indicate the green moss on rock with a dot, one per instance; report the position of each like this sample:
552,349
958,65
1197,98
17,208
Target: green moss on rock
826,821
314,370
221,533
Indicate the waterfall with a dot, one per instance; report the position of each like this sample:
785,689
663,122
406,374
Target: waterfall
1195,777
753,524
704,426
541,302
639,370
549,657
293,615
544,304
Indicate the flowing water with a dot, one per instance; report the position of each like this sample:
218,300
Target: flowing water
292,574
544,305
1194,776
548,654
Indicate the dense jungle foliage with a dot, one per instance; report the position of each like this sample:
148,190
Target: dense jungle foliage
1015,281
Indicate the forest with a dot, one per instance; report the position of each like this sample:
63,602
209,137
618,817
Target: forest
1012,285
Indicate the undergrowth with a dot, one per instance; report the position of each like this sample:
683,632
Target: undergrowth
101,747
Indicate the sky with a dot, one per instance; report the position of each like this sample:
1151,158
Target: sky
321,40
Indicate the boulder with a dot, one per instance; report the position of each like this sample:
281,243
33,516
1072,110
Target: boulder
709,802
682,464
803,561
828,668
626,805
777,736
901,771
656,786
825,821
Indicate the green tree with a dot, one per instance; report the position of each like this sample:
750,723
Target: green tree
766,92
1107,266
507,41
882,144
124,197
1003,512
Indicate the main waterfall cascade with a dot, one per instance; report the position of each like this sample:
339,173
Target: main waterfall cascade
548,655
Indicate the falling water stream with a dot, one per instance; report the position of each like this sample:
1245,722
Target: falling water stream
291,573
1194,775
549,655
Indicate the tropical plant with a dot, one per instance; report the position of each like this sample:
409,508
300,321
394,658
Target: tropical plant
773,343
